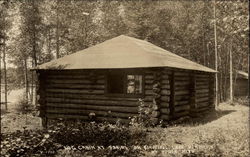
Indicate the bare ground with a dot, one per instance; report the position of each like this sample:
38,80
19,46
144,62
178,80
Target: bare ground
12,120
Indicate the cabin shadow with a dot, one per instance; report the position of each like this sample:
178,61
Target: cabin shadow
209,117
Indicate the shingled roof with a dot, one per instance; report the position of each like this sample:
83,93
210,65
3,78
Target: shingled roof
123,52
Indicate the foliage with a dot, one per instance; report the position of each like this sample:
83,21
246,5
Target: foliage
23,105
144,118
62,135
42,30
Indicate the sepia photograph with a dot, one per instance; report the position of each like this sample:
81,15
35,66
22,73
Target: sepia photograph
124,78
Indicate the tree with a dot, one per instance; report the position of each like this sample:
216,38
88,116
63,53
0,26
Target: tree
4,25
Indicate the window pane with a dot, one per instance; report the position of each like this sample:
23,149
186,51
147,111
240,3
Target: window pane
134,84
115,83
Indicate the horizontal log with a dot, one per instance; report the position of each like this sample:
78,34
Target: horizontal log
55,116
201,76
112,120
182,92
165,86
80,81
186,79
202,79
202,87
181,74
204,99
77,71
202,90
167,71
203,104
181,83
165,82
186,87
148,87
149,77
149,92
76,76
149,98
165,76
201,95
87,112
202,83
93,107
165,111
94,102
75,91
165,92
181,114
182,97
74,86
90,97
183,102
164,117
165,98
149,82
164,104
181,108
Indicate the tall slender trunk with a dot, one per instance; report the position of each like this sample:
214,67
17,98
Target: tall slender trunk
34,58
0,76
57,32
216,56
26,80
208,55
231,72
5,76
226,76
49,44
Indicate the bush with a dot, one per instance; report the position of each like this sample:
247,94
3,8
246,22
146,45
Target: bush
63,135
24,106
144,118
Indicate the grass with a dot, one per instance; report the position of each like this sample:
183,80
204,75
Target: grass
12,120
222,133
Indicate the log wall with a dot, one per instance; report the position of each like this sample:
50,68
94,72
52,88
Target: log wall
165,95
75,94
182,92
204,97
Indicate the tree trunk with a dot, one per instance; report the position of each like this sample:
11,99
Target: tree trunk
49,44
231,73
226,76
26,80
0,77
5,76
208,55
57,32
216,57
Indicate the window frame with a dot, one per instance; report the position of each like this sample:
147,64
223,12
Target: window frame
125,73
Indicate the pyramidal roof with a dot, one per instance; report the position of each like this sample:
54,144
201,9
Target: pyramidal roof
123,52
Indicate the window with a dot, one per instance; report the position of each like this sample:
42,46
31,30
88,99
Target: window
134,84
124,83
115,83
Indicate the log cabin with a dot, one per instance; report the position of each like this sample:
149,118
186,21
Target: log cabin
106,80
240,84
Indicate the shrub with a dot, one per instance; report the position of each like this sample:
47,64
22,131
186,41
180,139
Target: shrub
55,139
144,118
24,106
